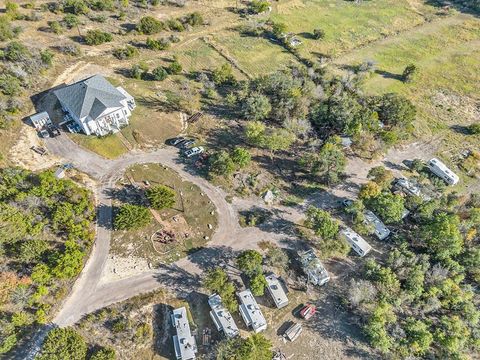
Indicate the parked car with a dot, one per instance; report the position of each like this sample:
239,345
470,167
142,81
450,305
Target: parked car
53,130
308,311
194,151
43,134
187,144
176,141
347,202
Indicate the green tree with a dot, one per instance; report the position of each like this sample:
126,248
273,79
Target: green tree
139,71
221,164
32,250
279,28
278,258
77,7
148,25
389,207
71,20
256,347
250,262
160,197
442,236
68,263
452,335
318,34
418,337
131,217
63,344
276,139
322,223
380,175
256,107
375,328
174,68
255,133
103,354
409,73
217,281
97,37
159,73
396,110
241,157
474,129
258,283
258,6
223,75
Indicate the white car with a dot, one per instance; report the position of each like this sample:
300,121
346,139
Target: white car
194,151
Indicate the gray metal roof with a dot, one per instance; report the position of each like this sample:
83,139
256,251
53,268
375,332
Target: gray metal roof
39,116
90,96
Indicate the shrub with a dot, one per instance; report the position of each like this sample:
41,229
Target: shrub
160,197
9,85
159,73
223,75
55,27
131,217
77,7
474,129
409,73
174,68
258,283
16,51
149,25
221,164
70,20
258,6
194,19
127,52
47,57
139,71
70,49
175,25
103,354
101,5
160,44
97,37
6,30
318,34
63,343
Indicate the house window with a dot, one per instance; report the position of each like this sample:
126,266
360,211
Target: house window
118,115
125,112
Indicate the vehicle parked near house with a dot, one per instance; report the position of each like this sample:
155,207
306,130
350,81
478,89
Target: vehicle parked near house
308,311
442,171
43,134
379,228
176,141
358,244
187,144
194,151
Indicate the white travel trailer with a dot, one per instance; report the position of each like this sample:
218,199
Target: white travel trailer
250,311
357,243
313,268
184,342
221,317
441,170
275,288
380,230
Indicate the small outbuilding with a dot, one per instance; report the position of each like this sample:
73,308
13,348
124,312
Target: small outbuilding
40,120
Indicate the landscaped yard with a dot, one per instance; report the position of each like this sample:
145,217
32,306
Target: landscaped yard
192,219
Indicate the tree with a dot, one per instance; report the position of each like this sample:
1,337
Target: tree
452,335
131,217
474,129
221,164
77,7
139,71
174,68
148,25
258,6
68,263
250,262
329,163
223,75
278,258
279,28
381,176
418,337
322,223
70,20
55,27
32,250
127,52
375,329
104,353
318,34
258,283
160,197
442,237
396,110
160,44
277,139
256,347
217,281
194,19
241,157
159,73
63,344
409,73
256,107
389,207
97,37
254,133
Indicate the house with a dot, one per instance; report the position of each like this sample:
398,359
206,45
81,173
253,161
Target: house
380,230
221,317
313,268
96,106
250,311
183,342
357,243
441,170
40,120
275,288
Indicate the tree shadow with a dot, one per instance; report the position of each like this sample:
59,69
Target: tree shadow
209,257
163,331
469,7
388,75
128,27
461,129
307,35
128,194
175,277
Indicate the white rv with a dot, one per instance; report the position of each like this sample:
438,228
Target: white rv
313,268
275,288
184,342
441,170
380,230
221,317
250,311
357,243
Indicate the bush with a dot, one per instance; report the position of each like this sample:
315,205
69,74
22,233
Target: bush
63,344
102,5
10,85
131,217
97,37
223,75
149,25
221,164
127,52
474,129
175,25
6,30
55,27
103,354
160,44
47,57
70,20
194,19
160,197
318,34
77,7
258,283
409,73
139,71
174,68
16,51
159,73
258,6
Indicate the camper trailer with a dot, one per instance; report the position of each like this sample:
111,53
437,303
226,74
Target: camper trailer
221,317
380,230
441,170
276,291
250,311
183,342
313,268
357,243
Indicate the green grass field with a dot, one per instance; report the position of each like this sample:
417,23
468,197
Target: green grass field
109,146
